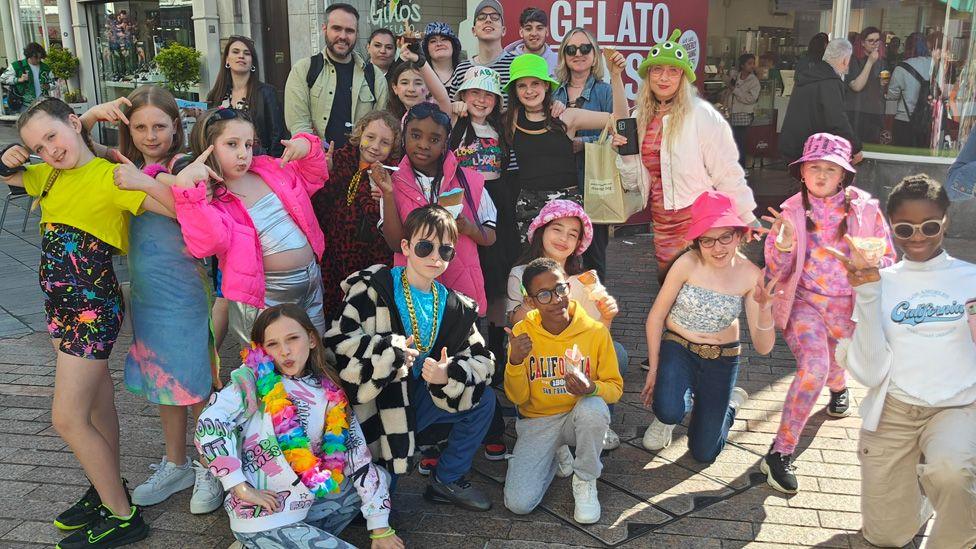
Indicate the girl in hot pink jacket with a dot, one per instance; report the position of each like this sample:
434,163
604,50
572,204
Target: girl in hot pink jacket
255,216
428,171
814,302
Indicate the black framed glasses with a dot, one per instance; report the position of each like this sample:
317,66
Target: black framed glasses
424,248
930,228
493,17
546,296
724,238
582,49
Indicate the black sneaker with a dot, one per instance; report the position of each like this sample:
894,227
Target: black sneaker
460,492
779,471
86,510
840,404
108,531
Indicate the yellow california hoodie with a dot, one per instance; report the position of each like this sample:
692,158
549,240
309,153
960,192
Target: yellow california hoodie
536,385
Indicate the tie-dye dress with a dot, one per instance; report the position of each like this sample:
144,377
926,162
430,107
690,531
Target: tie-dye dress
670,226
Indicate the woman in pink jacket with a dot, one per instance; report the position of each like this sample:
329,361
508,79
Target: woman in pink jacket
430,174
255,216
814,305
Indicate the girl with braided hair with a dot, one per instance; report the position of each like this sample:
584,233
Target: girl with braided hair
814,307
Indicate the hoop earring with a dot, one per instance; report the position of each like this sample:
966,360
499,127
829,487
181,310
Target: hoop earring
226,65
253,68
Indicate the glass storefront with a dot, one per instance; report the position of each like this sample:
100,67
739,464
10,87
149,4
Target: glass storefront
39,22
127,37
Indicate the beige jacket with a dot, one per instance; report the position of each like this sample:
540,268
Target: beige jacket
307,110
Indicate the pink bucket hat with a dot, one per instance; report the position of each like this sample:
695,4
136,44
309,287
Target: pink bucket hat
558,209
825,146
712,209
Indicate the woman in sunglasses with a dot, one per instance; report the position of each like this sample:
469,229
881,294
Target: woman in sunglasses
409,354
579,70
693,330
914,351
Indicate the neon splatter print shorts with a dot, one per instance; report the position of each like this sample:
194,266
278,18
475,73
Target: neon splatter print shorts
84,303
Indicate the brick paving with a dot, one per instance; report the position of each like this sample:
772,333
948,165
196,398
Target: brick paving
649,499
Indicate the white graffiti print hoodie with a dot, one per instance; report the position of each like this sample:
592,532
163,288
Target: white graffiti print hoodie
237,439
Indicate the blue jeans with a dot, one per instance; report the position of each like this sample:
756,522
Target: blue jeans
469,428
683,375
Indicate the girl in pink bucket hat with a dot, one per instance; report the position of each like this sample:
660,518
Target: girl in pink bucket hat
562,232
693,330
815,305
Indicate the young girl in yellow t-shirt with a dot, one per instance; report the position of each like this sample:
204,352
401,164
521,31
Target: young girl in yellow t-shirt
84,220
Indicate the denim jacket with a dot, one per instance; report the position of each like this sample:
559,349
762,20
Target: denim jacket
961,178
596,96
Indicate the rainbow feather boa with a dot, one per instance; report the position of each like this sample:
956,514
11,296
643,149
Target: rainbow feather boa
322,473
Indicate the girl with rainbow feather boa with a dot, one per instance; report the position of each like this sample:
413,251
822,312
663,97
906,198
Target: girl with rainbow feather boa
286,446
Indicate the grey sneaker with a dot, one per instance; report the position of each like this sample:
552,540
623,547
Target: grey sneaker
460,492
208,494
840,404
166,480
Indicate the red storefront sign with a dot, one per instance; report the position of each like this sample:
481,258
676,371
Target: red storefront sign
630,27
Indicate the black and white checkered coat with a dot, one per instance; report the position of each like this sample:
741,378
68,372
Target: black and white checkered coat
368,341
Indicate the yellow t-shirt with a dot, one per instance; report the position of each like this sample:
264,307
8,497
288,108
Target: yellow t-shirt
86,198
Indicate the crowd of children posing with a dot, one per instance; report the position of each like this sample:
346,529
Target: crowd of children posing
353,353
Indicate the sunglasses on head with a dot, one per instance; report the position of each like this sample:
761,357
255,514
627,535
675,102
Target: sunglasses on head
583,49
546,296
930,228
221,114
423,248
424,110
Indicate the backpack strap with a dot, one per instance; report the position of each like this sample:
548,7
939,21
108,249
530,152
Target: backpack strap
370,72
314,69
911,70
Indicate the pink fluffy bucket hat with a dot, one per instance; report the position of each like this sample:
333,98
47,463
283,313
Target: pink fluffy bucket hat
558,209
825,146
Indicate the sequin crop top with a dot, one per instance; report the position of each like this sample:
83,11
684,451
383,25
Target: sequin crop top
705,311
277,231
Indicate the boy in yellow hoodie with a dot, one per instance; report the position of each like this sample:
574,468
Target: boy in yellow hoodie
561,374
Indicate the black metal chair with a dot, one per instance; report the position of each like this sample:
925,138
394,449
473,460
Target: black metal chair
15,193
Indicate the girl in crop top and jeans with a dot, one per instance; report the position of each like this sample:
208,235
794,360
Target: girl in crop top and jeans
693,331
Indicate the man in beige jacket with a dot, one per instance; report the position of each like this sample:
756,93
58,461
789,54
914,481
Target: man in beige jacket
327,93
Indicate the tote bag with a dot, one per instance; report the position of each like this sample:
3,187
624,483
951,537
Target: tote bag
605,197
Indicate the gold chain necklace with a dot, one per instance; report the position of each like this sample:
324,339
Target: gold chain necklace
353,187
414,325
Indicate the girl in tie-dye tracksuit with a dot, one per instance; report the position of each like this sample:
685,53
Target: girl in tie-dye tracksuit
816,301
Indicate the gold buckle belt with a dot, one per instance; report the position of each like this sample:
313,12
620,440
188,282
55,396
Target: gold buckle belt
708,352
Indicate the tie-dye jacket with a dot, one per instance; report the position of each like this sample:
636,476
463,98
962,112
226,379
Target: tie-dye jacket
236,438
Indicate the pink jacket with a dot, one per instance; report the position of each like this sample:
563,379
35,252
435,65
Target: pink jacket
222,226
865,219
464,273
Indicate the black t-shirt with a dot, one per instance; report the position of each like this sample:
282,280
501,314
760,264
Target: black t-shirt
869,100
340,119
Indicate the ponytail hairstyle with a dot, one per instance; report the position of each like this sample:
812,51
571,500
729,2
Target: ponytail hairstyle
57,109
162,99
844,188
553,124
205,133
425,110
317,364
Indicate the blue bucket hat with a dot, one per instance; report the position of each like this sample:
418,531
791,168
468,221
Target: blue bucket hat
439,28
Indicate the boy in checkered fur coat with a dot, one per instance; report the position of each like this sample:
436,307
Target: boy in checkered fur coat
409,355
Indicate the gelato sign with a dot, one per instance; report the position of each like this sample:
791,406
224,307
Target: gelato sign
395,15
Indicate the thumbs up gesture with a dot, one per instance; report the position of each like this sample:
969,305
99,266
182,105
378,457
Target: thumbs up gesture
519,346
128,177
435,371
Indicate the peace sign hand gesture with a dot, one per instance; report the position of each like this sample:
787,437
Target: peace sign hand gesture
860,270
198,170
782,226
764,292
434,372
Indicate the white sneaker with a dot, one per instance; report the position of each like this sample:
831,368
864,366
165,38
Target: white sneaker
739,397
564,462
610,440
208,494
587,509
657,436
166,480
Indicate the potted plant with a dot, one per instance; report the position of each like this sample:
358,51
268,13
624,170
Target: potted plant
64,65
180,65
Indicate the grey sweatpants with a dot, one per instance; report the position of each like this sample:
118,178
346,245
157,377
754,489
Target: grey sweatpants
533,462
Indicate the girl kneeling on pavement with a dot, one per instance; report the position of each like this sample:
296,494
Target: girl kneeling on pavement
913,350
287,447
693,330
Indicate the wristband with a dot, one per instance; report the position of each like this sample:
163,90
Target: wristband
390,532
596,389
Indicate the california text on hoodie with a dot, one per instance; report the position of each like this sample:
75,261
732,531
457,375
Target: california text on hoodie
536,385
816,106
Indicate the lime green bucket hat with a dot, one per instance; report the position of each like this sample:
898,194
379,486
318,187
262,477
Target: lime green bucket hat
668,53
530,64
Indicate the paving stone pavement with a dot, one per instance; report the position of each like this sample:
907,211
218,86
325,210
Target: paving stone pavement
661,499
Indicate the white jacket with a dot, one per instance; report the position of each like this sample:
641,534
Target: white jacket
704,157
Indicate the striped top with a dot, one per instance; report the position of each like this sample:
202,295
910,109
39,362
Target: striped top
501,65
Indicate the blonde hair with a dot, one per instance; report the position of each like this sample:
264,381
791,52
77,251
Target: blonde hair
562,69
372,116
682,104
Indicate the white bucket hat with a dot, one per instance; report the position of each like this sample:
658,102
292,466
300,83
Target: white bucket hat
480,78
